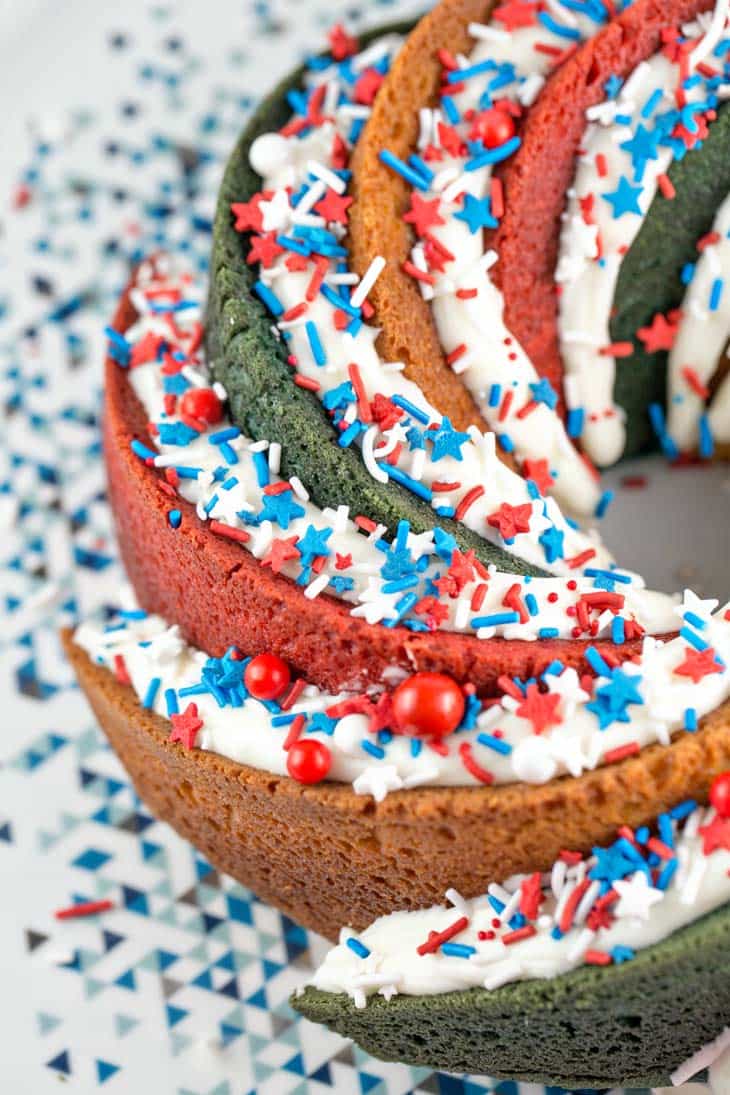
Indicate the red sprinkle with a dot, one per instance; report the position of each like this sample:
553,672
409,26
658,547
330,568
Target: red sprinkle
472,766
623,751
435,939
238,534
666,187
84,908
521,933
294,731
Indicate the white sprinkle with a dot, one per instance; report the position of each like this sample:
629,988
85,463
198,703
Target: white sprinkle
368,455
274,457
502,973
299,489
530,89
308,201
258,446
317,586
581,945
369,278
457,901
488,33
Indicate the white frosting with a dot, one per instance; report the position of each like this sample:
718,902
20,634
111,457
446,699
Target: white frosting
588,285
493,355
239,493
644,916
478,465
701,340
503,739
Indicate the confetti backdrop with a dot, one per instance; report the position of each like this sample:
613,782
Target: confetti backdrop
112,149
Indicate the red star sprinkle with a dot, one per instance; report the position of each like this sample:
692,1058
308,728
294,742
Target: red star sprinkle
516,13
296,263
511,519
333,207
716,835
698,664
280,551
342,562
661,333
539,472
385,413
423,214
341,43
264,249
249,217
540,708
368,86
185,727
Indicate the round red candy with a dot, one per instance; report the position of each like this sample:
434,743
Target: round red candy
720,794
203,404
267,677
494,127
428,705
308,761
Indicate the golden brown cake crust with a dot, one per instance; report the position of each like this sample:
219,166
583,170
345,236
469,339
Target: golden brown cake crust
328,857
381,198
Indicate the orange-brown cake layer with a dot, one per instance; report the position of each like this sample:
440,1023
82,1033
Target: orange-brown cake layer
329,858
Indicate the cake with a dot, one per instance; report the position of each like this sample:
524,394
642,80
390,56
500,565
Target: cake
376,651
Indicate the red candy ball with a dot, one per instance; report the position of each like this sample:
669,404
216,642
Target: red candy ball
428,705
308,761
202,403
720,794
494,127
267,677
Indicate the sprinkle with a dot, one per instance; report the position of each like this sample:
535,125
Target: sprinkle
519,934
402,169
295,731
239,535
497,744
436,939
359,948
666,186
622,752
151,694
315,343
483,775
690,720
83,908
269,298
369,278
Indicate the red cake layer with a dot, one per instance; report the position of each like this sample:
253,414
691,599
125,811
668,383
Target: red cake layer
220,595
537,177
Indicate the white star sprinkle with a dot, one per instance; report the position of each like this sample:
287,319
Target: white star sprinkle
378,781
636,896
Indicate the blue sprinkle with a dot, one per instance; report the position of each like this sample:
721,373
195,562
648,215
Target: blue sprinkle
506,442
496,619
693,639
416,747
497,744
174,517
531,604
405,481
495,394
402,169
372,749
411,408
652,102
688,272
618,633
683,810
695,621
604,502
421,166
548,633
576,418
596,662
359,948
269,298
690,720
229,434
261,464
715,294
494,155
151,694
171,701
350,434
707,441
666,874
450,109
459,74
458,950
283,720
571,33
142,451
496,904
315,343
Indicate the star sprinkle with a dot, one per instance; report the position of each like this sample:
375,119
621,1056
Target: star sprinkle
423,214
539,708
281,508
543,392
516,13
378,781
511,519
624,199
716,835
661,333
636,896
446,441
642,146
551,541
333,207
692,605
280,552
699,664
539,472
185,726
477,213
